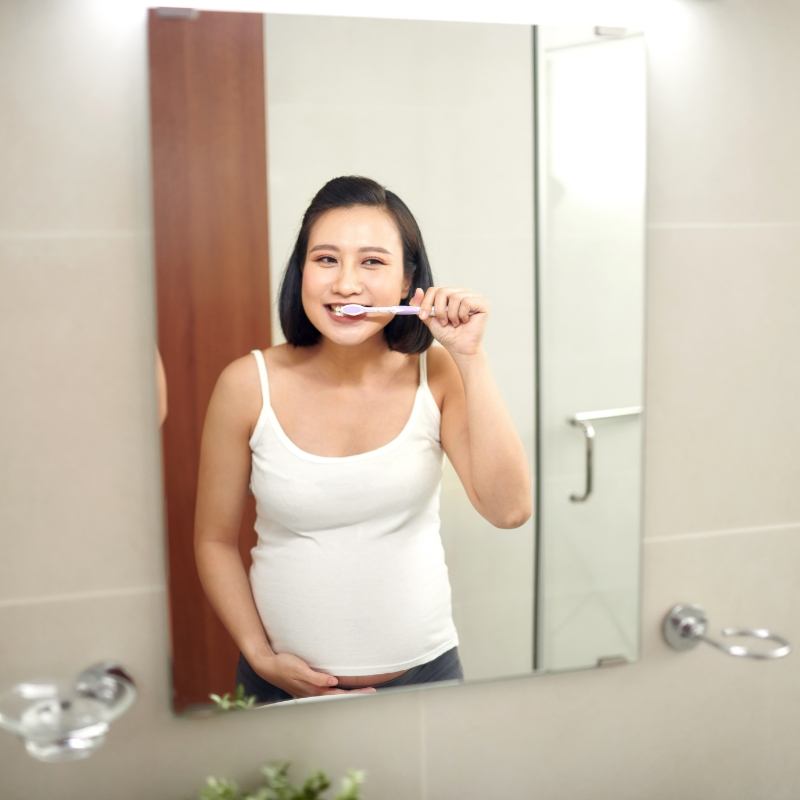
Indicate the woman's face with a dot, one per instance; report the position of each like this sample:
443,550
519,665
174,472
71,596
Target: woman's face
354,255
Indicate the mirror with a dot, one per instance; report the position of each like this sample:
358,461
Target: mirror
443,114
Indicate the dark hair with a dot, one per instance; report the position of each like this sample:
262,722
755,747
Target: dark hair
403,333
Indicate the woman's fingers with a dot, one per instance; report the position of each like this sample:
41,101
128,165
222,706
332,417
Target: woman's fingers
309,690
464,312
296,677
448,306
319,680
456,317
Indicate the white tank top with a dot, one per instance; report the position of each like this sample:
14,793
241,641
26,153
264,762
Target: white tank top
348,572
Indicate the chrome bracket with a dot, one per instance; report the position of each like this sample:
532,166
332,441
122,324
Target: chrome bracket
685,625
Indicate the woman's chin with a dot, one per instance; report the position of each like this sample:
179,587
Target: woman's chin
347,330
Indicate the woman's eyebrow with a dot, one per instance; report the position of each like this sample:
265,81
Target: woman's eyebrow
372,249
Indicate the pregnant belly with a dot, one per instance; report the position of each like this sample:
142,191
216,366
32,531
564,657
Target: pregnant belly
360,681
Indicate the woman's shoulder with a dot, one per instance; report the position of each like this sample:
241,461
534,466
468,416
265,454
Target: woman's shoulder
442,372
238,395
282,356
239,385
440,362
243,371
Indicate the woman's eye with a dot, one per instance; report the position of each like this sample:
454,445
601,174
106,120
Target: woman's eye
372,262
326,260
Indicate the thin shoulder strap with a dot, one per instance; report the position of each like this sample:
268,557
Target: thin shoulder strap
262,375
423,368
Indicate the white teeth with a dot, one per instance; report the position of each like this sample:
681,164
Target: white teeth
337,310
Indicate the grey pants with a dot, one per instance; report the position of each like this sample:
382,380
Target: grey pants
446,667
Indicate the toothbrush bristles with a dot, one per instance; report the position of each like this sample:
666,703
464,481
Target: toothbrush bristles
353,309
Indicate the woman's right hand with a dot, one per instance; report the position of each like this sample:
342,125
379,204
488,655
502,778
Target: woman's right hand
293,675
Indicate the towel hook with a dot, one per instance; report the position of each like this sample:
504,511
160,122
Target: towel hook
685,625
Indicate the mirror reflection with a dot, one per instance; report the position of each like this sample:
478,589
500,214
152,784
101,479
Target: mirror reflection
591,182
339,433
251,116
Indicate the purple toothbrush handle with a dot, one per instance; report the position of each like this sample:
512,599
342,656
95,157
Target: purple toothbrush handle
406,310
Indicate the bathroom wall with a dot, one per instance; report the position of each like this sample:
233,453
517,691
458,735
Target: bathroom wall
82,573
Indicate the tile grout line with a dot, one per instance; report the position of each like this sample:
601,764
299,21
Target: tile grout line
668,226
12,236
78,596
722,532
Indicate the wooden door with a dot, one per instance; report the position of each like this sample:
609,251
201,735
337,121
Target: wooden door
207,105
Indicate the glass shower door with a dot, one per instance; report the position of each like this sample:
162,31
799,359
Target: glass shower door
591,156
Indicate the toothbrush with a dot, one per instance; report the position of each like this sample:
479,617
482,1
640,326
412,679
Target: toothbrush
354,309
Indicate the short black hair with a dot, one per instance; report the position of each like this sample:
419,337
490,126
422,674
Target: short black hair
404,333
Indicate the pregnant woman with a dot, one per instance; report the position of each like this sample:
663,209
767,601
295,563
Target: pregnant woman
339,434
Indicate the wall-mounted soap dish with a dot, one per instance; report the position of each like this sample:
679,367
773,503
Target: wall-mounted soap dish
64,721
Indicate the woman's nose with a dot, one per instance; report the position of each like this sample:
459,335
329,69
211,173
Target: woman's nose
347,280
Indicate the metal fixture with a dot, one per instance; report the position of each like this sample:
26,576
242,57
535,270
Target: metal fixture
583,419
685,625
171,12
611,32
65,721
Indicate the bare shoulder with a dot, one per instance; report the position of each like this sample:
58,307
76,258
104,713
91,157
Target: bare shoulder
237,394
443,377
239,377
242,374
282,356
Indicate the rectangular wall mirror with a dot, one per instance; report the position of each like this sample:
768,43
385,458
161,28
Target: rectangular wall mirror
520,152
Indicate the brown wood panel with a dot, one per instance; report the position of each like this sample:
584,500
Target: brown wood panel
207,107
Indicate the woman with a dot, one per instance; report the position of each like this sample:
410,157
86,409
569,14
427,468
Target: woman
339,433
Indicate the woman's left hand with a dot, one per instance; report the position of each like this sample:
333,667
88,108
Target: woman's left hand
459,318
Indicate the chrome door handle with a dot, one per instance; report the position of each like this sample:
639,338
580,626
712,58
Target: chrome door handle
584,419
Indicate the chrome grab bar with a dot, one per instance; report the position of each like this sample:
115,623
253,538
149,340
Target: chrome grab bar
685,625
583,419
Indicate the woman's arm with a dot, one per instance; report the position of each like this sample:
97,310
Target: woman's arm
221,490
161,388
477,432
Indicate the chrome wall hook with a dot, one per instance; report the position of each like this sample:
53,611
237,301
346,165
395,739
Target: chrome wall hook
685,625
65,721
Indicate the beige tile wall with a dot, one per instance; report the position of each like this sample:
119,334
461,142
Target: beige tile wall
81,574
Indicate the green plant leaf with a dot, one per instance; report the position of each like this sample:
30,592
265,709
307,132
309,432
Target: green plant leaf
314,786
239,700
277,781
276,785
350,785
220,789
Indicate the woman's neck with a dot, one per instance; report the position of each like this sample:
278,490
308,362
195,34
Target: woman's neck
354,364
